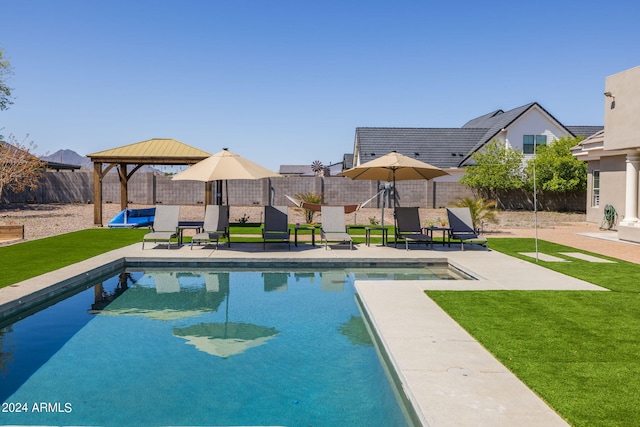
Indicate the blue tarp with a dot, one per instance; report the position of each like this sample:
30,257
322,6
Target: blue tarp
129,218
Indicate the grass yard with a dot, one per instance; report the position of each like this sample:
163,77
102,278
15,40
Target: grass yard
578,350
29,259
622,276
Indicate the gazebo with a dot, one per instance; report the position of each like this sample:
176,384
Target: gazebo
156,151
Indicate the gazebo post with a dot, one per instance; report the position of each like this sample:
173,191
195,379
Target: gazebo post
124,186
97,194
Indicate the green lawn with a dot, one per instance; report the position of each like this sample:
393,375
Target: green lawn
29,259
578,350
622,276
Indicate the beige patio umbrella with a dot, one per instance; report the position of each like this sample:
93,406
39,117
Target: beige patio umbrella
394,167
223,166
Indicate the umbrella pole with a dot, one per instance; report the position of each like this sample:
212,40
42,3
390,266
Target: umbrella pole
384,202
395,193
395,224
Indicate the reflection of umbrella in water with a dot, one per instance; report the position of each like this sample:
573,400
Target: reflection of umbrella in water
356,331
166,300
223,166
225,339
394,167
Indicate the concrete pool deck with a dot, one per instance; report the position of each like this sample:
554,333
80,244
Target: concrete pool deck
450,379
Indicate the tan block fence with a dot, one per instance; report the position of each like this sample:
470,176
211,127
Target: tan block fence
149,189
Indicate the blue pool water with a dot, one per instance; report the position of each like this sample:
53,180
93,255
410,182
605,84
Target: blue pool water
200,348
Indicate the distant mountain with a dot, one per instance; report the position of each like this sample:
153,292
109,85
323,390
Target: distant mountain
70,157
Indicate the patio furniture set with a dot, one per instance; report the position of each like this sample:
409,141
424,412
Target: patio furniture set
167,227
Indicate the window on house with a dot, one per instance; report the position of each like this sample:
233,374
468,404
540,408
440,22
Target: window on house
596,189
528,142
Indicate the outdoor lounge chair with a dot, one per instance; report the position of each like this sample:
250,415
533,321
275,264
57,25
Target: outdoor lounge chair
165,225
461,227
276,225
333,227
216,225
408,227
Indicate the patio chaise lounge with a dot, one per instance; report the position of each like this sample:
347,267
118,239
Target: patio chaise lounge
276,225
408,227
333,227
462,229
216,225
165,225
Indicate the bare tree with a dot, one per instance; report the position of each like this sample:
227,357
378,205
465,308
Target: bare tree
19,167
6,70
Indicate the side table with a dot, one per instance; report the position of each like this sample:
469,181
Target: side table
305,227
384,232
446,234
193,225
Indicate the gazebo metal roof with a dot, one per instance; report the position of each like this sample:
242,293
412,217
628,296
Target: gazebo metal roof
152,151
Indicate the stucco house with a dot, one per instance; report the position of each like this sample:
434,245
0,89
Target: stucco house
613,156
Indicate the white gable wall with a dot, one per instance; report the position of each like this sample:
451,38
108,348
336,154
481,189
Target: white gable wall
533,122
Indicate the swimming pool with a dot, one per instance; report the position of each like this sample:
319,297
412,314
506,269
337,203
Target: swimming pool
202,347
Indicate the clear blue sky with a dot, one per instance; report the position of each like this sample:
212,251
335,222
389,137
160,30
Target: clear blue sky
287,82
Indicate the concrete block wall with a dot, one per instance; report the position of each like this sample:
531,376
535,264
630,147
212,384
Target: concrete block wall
141,188
411,193
247,192
58,187
291,186
345,191
149,189
169,192
446,193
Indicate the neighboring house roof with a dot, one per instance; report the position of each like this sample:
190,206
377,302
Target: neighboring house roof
448,147
297,170
306,170
441,147
60,166
46,163
483,121
347,161
585,131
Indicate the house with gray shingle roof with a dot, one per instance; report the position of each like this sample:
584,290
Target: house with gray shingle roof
452,148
